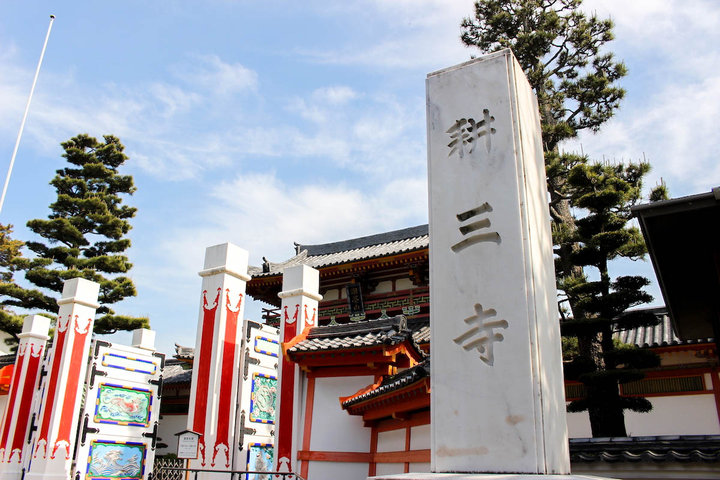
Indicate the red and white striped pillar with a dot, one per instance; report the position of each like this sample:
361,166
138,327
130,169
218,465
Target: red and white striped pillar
213,395
299,310
58,419
13,429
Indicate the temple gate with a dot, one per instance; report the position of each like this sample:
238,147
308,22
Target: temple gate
118,428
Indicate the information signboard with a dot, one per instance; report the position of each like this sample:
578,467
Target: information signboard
188,444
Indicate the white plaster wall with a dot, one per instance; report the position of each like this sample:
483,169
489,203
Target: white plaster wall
3,404
337,471
331,294
168,426
333,429
420,439
671,415
4,348
383,287
391,441
388,468
403,284
676,415
419,467
579,425
679,358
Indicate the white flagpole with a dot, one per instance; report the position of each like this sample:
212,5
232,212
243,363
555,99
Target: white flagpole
27,109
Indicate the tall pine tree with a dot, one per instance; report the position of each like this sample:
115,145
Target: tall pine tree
605,193
560,50
11,260
84,235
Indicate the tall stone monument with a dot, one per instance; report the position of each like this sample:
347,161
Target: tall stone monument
498,402
213,394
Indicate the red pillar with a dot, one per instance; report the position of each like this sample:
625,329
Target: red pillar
13,429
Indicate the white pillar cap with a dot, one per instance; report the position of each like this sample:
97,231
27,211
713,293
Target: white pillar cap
143,338
79,290
301,277
226,258
35,326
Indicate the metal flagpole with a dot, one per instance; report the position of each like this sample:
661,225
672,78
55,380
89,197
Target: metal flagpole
27,109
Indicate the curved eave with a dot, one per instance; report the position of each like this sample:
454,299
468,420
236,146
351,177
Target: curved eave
394,404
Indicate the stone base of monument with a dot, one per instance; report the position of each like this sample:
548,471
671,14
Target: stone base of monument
482,476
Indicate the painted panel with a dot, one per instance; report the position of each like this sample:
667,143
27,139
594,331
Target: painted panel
114,460
122,405
267,346
259,459
263,398
129,363
120,418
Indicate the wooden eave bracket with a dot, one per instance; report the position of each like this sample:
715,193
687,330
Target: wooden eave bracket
297,339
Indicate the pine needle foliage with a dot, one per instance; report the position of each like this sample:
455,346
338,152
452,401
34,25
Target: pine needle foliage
85,233
603,305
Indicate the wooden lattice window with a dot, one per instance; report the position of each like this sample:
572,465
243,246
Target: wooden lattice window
648,386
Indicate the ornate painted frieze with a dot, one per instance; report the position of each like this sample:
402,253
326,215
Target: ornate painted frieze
121,405
259,459
263,398
131,364
108,460
266,346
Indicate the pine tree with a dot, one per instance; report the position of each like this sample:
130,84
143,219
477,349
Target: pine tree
605,193
11,261
84,235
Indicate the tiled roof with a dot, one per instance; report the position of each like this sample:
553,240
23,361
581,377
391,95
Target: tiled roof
373,246
660,335
184,353
422,334
383,331
8,359
676,448
175,373
394,382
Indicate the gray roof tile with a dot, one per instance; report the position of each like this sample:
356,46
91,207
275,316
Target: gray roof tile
383,331
675,448
394,382
174,372
660,335
373,246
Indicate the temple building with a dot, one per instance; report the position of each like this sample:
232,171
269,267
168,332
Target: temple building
367,363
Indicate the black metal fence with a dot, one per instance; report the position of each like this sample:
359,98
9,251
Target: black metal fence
164,469
174,469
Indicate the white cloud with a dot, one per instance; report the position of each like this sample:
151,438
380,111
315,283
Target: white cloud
214,75
265,214
405,34
336,95
676,131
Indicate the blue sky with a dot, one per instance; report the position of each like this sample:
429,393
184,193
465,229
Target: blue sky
264,123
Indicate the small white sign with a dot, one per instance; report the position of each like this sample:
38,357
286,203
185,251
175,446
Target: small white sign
188,445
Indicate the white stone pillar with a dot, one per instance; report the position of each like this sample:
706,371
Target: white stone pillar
213,395
498,402
58,416
299,311
14,427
